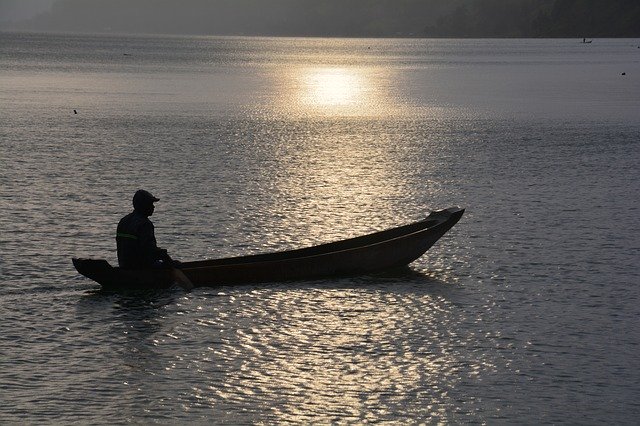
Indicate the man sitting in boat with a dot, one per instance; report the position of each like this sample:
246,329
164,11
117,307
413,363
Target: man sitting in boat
135,236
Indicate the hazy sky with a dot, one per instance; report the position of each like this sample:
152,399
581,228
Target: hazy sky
11,10
286,17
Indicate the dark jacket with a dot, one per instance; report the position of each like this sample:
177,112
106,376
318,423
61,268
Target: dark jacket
136,241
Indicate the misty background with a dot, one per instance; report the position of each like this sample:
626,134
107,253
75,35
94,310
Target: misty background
347,18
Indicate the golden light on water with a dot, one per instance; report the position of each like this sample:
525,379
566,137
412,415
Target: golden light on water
337,91
333,87
343,354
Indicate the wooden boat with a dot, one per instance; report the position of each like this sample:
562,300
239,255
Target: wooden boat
367,254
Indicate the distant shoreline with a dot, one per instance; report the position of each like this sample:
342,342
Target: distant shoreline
388,37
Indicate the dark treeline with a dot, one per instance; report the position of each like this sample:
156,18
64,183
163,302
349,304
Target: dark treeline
539,18
364,18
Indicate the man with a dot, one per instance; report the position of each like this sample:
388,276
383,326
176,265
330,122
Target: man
135,237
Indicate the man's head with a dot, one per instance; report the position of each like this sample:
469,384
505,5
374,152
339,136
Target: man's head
143,202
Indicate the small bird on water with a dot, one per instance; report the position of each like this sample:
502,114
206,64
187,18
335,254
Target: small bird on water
75,112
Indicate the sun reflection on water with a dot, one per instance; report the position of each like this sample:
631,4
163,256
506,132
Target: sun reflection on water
322,355
332,87
338,91
334,177
336,183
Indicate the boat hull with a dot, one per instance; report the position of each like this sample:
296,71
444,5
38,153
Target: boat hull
368,254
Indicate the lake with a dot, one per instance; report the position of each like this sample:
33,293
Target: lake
525,312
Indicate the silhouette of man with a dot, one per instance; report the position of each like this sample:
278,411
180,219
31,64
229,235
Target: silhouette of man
135,236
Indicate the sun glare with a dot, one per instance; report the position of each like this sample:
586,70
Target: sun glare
333,87
337,91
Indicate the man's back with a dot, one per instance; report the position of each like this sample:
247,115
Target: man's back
136,241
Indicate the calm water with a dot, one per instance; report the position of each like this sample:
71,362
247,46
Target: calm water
526,312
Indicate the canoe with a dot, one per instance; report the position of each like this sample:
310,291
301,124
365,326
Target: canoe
361,255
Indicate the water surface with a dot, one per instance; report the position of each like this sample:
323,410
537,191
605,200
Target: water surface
525,312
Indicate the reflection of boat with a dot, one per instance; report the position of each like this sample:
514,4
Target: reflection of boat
370,253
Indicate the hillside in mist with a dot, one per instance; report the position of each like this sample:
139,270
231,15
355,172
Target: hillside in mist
352,18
